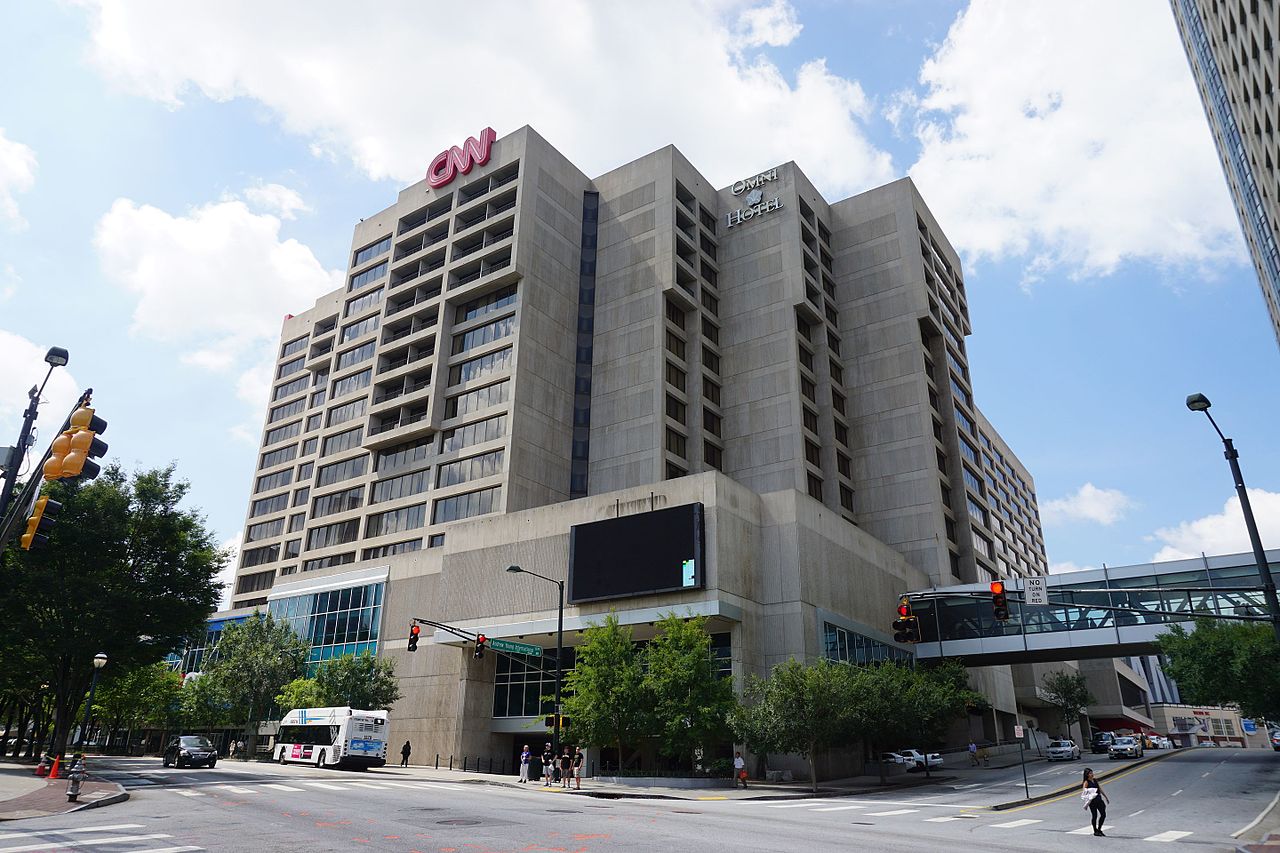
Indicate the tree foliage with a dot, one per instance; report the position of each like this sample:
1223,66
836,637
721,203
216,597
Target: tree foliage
1225,663
360,681
690,702
126,572
604,695
1069,693
299,693
144,696
255,659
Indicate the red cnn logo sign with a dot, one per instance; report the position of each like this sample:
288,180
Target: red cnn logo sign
448,164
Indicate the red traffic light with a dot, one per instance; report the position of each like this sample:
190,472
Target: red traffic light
481,639
414,631
997,587
904,608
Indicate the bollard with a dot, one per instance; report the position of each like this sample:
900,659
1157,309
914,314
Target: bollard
437,761
450,762
464,763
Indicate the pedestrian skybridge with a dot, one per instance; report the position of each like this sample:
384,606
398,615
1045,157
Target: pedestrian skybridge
1099,613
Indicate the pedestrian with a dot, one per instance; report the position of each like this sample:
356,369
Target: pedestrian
566,768
739,770
240,749
404,754
973,753
231,750
1095,800
525,757
548,765
578,760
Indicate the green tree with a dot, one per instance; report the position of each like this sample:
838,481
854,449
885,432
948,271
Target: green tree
200,705
936,697
1069,693
126,572
1226,663
604,696
360,681
878,707
690,701
255,659
299,693
799,708
143,696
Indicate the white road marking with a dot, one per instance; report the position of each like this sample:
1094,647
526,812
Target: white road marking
113,828
368,785
167,850
1171,835
1086,830
894,812
190,779
276,787
325,785
941,819
183,793
1176,793
236,789
110,839
837,808
963,787
441,787
410,785
1015,823
1251,824
1138,812
793,805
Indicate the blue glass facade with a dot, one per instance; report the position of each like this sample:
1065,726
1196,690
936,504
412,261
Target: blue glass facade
199,651
335,622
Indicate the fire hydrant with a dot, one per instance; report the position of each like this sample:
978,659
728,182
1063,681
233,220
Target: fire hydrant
76,777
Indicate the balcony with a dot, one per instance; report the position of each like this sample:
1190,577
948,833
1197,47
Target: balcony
421,217
477,270
488,184
484,212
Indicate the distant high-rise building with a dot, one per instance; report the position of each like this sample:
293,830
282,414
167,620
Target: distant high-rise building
1231,47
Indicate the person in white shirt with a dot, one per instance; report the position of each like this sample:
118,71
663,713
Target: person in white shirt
739,770
525,756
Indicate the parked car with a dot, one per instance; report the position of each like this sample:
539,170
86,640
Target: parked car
917,759
1275,740
190,751
1101,742
1206,743
1125,747
892,758
1063,750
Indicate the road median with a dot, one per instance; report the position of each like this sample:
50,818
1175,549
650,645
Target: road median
1101,777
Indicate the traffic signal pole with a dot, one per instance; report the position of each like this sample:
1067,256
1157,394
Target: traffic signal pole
11,517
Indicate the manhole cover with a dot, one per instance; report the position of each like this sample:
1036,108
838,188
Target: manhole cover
459,821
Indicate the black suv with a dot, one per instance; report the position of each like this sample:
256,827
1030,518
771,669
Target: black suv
190,751
1101,742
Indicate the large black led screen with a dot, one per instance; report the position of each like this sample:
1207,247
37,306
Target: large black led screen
639,554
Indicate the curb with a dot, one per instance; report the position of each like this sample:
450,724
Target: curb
999,807
822,793
118,797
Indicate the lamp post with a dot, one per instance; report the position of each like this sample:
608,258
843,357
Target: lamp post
555,732
56,357
99,661
1200,403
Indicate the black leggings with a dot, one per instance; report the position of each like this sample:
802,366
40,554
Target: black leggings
1097,812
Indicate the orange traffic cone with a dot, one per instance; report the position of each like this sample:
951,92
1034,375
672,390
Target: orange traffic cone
42,769
53,774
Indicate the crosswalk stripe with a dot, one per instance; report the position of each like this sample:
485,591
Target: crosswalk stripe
237,789
803,805
110,839
277,787
837,808
941,819
411,786
167,850
112,828
441,787
325,785
367,785
1171,835
1014,823
183,793
1085,830
891,813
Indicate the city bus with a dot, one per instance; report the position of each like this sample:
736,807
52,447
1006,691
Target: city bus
332,737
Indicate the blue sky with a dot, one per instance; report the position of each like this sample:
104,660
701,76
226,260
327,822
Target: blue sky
174,180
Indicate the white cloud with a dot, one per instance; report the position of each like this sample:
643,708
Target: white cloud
24,367
1076,145
1089,503
17,175
1224,532
1068,566
9,281
277,199
603,82
226,577
775,25
213,282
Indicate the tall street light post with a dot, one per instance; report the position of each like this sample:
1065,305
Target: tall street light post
56,357
1200,403
555,732
99,661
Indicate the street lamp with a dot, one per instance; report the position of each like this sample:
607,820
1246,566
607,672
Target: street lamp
55,357
1200,403
99,661
555,732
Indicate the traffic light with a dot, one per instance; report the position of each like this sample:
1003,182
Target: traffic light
41,521
999,604
414,631
481,641
550,722
72,453
906,628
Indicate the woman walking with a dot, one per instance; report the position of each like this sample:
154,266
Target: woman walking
1095,800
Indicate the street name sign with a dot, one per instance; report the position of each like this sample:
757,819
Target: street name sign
516,648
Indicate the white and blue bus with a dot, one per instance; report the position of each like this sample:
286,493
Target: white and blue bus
333,737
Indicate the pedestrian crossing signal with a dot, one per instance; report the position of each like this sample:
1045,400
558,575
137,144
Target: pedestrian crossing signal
550,722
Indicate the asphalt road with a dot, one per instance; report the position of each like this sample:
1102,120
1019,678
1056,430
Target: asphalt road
1196,797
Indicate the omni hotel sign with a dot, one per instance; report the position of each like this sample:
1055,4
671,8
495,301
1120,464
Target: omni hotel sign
755,203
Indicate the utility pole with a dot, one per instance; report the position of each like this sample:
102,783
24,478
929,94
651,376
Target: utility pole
56,357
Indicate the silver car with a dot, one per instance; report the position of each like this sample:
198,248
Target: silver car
1063,750
1125,747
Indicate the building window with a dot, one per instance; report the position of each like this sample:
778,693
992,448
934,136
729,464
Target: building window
315,421
675,376
838,401
279,413
251,557
435,540
488,429
290,367
964,420
292,548
354,382
709,302
400,487
362,303
810,419
309,446
255,582
713,455
344,470
812,454
711,422
405,547
343,441
264,530
333,502
837,372
396,520
848,646
710,331
372,251
370,275
675,314
338,533
279,434
486,334
295,345
843,465
846,497
278,457
346,412
481,398
478,368
471,468
300,496
674,471
336,622
981,544
521,683
710,390
352,357
467,505
968,451
296,522
329,561
267,482
495,301
815,486
675,344
675,409
355,330
806,357
842,434
710,360
403,455
675,442
808,389
305,470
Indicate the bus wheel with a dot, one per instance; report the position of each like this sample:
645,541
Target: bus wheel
320,759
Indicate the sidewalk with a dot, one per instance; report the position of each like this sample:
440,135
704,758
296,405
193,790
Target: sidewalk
23,794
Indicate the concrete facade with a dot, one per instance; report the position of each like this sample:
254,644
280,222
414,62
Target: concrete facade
523,349
1231,48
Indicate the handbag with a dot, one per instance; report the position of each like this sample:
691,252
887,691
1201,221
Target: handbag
1088,794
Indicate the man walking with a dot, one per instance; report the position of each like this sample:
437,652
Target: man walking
739,770
578,759
525,757
548,765
404,754
973,753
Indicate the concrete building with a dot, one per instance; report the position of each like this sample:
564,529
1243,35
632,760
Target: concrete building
1231,47
520,349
